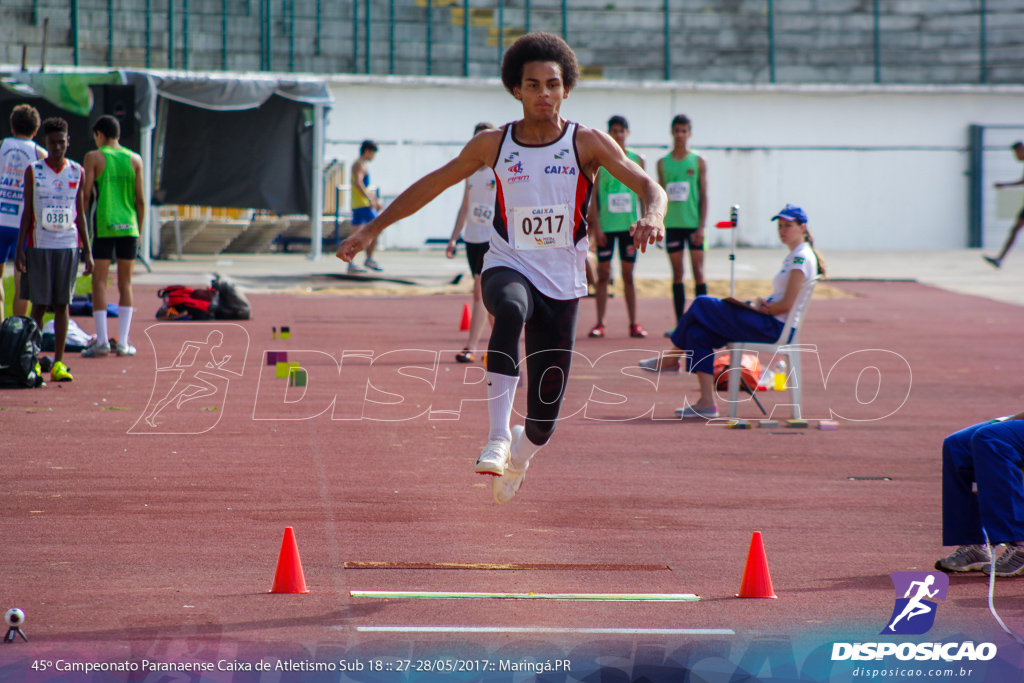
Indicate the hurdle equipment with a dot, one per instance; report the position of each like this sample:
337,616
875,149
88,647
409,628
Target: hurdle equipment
467,318
757,581
797,424
828,425
286,332
297,377
289,578
768,424
273,332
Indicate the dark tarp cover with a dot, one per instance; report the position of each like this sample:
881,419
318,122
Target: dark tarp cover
234,159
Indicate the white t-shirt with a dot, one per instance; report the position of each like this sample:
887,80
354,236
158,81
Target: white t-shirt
480,218
54,198
540,226
15,156
803,259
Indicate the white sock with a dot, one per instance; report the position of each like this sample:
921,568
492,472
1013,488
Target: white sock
501,391
124,315
522,450
101,326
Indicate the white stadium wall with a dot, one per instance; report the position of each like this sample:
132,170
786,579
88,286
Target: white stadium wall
876,167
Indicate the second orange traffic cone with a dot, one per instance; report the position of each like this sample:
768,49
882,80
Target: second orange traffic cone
466,318
289,578
757,582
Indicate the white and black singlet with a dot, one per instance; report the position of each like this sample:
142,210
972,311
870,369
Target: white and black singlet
534,272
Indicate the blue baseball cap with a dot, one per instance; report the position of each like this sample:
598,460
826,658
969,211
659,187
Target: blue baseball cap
792,213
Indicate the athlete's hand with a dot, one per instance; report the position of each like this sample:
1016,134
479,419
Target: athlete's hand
647,230
88,264
354,243
450,251
19,262
597,236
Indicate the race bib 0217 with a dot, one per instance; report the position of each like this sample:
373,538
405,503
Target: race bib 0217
542,227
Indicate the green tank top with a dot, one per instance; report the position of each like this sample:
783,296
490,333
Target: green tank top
115,206
619,207
681,179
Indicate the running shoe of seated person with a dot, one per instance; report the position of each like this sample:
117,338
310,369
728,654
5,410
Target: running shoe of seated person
966,558
1010,563
60,373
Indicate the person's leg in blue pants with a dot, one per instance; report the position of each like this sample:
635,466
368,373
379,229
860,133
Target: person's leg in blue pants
711,323
991,455
961,523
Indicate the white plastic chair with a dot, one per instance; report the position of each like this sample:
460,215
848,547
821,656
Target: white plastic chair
788,343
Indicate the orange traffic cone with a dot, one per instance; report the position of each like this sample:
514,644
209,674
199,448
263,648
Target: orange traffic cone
466,317
289,578
757,582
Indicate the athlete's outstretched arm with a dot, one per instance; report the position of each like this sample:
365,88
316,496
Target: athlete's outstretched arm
480,151
600,150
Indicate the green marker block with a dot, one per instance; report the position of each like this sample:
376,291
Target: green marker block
797,424
297,377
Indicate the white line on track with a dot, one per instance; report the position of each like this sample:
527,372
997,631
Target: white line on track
540,629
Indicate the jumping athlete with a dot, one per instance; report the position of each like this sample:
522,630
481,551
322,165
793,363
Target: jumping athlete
683,174
476,215
613,210
116,172
16,153
533,272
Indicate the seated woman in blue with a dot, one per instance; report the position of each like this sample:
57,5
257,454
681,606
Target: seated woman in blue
711,323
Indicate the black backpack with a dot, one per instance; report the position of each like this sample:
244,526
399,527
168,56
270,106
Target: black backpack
232,304
20,342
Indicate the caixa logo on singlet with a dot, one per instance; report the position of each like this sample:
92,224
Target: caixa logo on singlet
560,170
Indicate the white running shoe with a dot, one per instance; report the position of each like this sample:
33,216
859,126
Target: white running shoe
688,412
505,487
95,349
125,349
654,365
493,458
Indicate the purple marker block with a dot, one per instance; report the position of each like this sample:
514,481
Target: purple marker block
271,357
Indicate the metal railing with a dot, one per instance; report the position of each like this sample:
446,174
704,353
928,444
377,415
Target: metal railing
961,41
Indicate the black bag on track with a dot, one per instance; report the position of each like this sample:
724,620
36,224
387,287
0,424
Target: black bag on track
20,342
232,304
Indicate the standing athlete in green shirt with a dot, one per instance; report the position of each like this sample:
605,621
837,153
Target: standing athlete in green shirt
613,211
116,172
683,174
